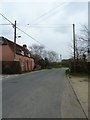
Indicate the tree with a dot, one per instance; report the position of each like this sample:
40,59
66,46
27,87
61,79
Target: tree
46,62
81,51
82,45
41,56
52,56
37,49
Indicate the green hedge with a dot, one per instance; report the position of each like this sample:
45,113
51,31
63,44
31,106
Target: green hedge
11,67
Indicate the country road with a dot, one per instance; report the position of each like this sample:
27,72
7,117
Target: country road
39,94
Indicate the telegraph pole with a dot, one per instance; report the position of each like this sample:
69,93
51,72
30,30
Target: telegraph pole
60,57
15,41
74,46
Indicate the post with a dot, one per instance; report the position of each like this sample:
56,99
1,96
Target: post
60,57
15,41
74,48
74,41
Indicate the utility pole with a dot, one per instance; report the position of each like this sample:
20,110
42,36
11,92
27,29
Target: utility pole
15,41
60,57
74,46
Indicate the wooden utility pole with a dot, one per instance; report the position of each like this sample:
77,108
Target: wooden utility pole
74,46
15,41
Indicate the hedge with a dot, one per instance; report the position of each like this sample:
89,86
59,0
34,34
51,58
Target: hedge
80,66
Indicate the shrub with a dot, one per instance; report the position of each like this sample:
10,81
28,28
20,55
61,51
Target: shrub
79,66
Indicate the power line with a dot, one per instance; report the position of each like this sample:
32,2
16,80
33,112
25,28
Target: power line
49,26
5,24
36,18
32,37
20,29
28,35
6,19
44,14
23,31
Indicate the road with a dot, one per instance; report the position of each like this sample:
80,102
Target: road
39,94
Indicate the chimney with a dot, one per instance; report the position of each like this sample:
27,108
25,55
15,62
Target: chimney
25,46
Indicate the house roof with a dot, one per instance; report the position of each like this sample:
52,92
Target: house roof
19,49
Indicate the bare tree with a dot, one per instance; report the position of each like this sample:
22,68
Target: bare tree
42,57
44,54
37,49
52,56
82,45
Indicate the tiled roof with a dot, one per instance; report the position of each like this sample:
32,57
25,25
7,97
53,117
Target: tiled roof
19,49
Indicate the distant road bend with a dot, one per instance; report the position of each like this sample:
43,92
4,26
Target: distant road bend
39,94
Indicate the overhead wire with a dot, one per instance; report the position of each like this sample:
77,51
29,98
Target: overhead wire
50,26
6,19
28,35
35,20
44,14
5,24
22,30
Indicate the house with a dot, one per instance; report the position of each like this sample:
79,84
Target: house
22,55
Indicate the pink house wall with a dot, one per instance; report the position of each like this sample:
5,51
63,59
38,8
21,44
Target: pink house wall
27,64
33,63
6,53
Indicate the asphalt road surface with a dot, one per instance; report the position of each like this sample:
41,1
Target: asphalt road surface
39,94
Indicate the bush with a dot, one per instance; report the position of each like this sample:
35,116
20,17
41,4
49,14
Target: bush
79,66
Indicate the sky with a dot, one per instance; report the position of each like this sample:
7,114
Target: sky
49,22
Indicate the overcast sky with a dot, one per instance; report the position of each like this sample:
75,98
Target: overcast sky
48,21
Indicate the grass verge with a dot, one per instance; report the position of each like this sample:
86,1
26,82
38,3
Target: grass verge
56,66
76,74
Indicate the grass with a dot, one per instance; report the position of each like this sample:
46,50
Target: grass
76,74
56,66
79,74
